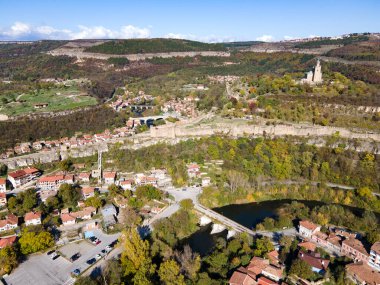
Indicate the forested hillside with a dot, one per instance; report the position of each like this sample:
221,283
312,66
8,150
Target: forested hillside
132,46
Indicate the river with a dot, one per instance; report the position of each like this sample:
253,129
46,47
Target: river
248,215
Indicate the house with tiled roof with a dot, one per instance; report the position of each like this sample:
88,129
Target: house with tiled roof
262,266
265,281
307,245
23,176
3,185
109,177
361,273
241,276
127,184
32,218
7,241
3,199
84,176
307,228
84,214
88,192
317,264
11,222
67,219
355,249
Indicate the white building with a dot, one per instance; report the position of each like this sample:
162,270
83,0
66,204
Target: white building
307,228
53,182
23,176
109,177
374,258
32,218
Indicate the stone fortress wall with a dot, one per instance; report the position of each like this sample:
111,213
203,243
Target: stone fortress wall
172,133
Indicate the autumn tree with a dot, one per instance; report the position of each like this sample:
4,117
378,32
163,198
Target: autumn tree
31,241
8,259
169,273
135,258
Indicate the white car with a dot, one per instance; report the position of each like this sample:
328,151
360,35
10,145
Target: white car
108,248
98,256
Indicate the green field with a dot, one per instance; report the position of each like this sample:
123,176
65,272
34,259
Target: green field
58,99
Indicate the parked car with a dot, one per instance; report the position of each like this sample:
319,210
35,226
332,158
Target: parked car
108,248
98,256
76,272
98,241
75,257
54,256
91,261
103,252
50,252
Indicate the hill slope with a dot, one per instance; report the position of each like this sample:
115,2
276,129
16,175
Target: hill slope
133,46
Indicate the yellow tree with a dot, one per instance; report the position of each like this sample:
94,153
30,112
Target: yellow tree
169,273
136,259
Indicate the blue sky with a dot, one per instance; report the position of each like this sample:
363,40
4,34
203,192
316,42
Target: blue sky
207,20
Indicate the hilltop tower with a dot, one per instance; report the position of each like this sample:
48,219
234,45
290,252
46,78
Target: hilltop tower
317,78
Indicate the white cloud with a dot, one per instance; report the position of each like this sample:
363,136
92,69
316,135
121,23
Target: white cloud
265,38
23,31
289,38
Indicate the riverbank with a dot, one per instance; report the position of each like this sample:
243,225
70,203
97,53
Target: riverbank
213,197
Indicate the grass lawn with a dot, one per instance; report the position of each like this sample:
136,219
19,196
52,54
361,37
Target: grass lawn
58,99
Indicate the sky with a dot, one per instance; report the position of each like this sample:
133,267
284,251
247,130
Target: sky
203,20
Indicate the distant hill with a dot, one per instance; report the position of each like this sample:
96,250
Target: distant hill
329,41
369,50
133,46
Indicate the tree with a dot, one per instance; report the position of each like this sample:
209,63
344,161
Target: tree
169,273
189,261
262,246
129,217
85,280
218,263
365,192
187,204
114,190
24,202
301,269
53,203
113,273
95,202
136,259
148,192
69,194
31,242
3,169
237,180
8,259
65,165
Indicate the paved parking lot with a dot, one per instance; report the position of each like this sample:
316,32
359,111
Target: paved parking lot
42,270
82,247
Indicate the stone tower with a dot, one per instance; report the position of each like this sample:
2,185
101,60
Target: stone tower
317,73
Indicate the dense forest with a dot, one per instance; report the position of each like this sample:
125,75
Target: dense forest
133,46
278,159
